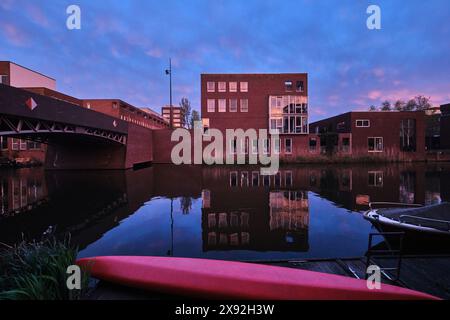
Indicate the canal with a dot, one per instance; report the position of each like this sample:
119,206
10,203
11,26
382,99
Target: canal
232,213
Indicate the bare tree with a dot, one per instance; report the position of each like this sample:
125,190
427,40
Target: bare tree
194,117
422,103
372,108
386,106
399,105
185,105
411,105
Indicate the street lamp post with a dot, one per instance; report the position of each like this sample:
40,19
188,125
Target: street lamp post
169,73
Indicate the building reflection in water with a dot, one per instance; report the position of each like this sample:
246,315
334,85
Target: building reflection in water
241,209
244,210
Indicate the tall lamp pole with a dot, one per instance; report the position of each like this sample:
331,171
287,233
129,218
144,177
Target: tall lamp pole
169,73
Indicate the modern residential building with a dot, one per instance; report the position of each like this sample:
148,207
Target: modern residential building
174,116
386,134
125,111
275,102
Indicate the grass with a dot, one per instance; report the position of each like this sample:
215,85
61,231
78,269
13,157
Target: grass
37,271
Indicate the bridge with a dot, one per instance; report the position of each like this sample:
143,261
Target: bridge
76,138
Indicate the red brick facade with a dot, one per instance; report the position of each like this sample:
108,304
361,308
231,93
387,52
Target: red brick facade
390,135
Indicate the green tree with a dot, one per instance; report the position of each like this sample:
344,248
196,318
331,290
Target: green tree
185,106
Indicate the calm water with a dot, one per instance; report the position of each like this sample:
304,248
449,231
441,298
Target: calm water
222,212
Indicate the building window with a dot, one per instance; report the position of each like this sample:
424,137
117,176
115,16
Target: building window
312,144
211,105
23,144
288,145
244,179
222,105
255,179
244,146
277,179
288,86
244,105
233,179
244,86
276,146
266,144
254,146
32,145
205,123
408,135
211,86
3,79
375,179
299,86
222,87
375,144
266,180
233,146
233,105
362,123
288,115
233,86
288,179
346,145
3,143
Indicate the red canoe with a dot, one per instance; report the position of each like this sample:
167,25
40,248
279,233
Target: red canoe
215,279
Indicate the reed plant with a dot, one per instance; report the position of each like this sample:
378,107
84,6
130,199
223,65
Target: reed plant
38,271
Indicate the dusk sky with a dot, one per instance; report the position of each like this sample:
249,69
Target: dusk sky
123,47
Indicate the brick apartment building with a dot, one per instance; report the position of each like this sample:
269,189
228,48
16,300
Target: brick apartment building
387,134
445,126
275,102
124,111
174,116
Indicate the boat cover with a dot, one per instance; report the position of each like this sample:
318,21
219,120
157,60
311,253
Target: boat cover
439,215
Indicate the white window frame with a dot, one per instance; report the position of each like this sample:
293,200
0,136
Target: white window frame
255,174
266,146
361,125
376,174
23,145
222,105
375,144
242,105
3,76
243,86
221,86
211,86
232,86
289,83
212,107
235,109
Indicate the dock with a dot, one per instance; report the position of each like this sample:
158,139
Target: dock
424,273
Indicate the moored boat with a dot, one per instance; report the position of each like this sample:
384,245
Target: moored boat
215,279
427,222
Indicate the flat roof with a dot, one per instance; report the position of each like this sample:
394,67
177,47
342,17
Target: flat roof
44,75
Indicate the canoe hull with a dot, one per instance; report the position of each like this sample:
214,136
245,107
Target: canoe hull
215,279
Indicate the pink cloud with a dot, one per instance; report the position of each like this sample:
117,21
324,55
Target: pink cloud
374,94
14,35
37,15
154,53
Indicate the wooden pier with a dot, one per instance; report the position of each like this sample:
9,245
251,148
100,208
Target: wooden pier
424,273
